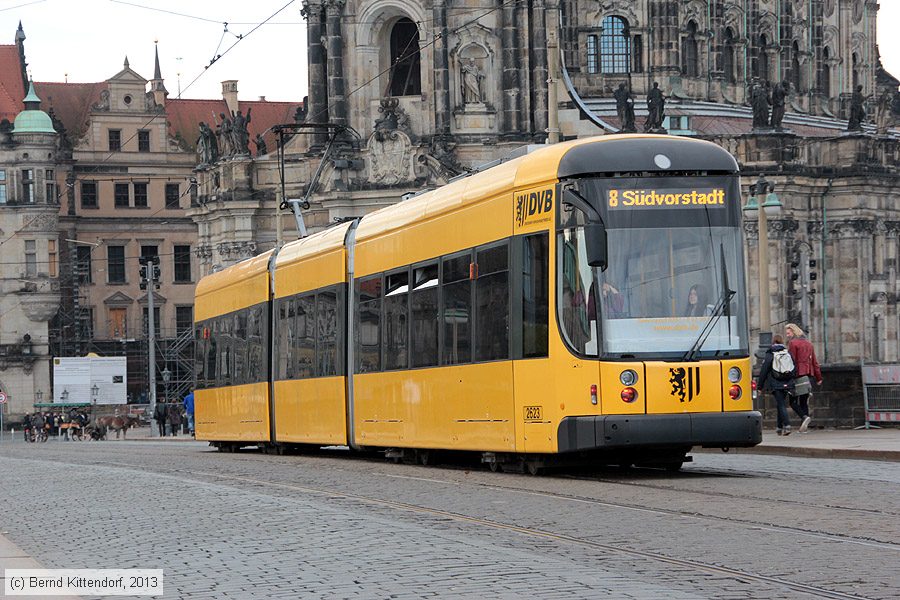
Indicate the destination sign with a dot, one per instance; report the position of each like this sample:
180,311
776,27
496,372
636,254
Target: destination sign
666,198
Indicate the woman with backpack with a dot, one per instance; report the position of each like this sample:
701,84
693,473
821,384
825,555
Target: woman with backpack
807,368
776,375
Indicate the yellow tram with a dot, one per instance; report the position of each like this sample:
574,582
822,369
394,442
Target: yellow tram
583,300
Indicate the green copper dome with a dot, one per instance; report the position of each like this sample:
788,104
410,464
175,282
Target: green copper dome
33,119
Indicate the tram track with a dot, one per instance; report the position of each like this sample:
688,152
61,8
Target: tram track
703,567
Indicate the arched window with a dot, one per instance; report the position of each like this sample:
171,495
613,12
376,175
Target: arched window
795,66
762,59
615,46
406,78
690,65
728,56
825,72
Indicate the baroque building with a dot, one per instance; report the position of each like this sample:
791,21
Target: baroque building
31,162
102,178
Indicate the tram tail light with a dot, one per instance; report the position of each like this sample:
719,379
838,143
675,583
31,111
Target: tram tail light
753,385
594,394
735,392
629,395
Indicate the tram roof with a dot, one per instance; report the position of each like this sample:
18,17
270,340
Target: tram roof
600,154
247,282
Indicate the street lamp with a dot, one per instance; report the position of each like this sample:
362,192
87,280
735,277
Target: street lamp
166,375
95,391
762,195
39,396
64,396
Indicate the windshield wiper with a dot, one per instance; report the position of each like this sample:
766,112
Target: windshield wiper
723,306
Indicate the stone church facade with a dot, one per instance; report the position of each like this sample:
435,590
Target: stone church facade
430,89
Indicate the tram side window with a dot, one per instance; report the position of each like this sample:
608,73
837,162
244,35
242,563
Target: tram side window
200,349
304,352
226,358
492,303
211,354
457,309
575,288
255,344
240,347
535,295
368,330
396,319
326,333
424,315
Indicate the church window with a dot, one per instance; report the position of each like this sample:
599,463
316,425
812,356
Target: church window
728,57
406,79
593,65
825,72
615,46
690,52
762,59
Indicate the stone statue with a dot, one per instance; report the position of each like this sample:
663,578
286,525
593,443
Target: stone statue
883,117
207,147
779,98
260,145
656,109
625,108
857,110
471,78
760,101
240,137
223,132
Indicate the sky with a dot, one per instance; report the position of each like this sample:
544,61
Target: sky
88,40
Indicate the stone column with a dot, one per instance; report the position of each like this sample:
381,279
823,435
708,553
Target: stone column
510,119
664,54
539,71
334,48
317,109
441,70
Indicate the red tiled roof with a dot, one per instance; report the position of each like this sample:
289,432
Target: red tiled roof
184,117
12,88
71,103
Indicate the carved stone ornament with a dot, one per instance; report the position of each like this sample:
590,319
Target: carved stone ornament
236,250
393,117
829,8
390,157
103,105
43,222
858,6
39,307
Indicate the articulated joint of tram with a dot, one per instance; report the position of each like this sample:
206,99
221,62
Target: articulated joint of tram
709,430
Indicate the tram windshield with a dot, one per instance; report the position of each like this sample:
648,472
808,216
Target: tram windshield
672,261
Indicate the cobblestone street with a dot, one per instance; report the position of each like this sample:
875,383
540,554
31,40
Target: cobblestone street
248,525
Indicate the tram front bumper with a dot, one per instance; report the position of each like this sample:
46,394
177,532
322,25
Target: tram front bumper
715,430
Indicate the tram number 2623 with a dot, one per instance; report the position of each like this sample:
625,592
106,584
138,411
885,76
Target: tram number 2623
533,413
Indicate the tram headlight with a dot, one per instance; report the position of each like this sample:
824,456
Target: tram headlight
628,377
629,395
735,392
734,374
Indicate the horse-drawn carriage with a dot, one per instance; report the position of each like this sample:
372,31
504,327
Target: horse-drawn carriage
80,421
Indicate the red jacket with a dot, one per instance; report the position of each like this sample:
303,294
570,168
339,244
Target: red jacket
804,357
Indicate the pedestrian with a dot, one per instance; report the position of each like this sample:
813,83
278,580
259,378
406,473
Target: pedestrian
189,411
26,426
807,368
159,415
776,377
173,415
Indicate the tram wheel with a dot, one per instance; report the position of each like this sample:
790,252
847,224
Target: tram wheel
534,468
674,467
426,458
494,466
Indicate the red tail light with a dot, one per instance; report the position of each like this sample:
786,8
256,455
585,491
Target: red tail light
753,385
735,392
629,395
594,394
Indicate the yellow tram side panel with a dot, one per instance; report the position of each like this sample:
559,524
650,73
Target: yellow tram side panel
239,286
311,411
464,407
233,414
745,402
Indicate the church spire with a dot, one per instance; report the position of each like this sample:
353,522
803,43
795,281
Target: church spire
157,85
157,74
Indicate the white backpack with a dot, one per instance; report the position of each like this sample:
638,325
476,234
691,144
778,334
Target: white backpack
783,365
